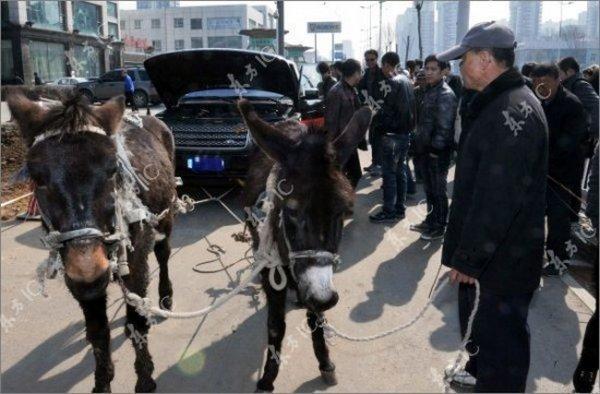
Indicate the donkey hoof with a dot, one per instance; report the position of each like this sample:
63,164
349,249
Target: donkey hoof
166,303
329,377
101,389
263,387
145,386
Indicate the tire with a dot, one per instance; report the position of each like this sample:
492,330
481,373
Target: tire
88,95
140,98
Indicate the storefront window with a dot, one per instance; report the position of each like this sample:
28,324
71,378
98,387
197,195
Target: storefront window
111,8
196,42
225,42
87,61
48,59
7,60
46,14
113,30
87,18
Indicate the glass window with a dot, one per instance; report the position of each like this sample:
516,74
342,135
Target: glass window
113,30
112,76
86,62
251,23
179,45
137,24
196,23
156,23
87,18
157,44
4,12
48,59
225,42
46,14
224,23
178,23
143,75
197,42
7,60
111,8
123,25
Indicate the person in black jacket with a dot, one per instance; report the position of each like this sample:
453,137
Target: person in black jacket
371,93
572,79
452,80
396,119
568,129
433,146
495,232
327,81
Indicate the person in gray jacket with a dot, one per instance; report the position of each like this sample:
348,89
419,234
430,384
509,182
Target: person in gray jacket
434,142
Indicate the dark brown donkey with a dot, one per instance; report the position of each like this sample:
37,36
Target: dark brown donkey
306,221
72,160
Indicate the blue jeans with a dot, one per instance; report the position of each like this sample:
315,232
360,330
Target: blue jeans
394,150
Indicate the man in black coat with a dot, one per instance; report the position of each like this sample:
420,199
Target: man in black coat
495,232
568,129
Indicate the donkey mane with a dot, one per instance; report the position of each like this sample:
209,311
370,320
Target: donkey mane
71,115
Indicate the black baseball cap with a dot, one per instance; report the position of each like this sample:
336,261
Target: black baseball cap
482,35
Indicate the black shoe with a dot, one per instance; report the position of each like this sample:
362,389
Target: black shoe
433,233
383,217
369,168
400,214
421,227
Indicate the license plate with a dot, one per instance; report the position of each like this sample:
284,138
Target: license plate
206,163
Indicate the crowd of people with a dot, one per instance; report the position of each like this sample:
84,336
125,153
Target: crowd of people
520,140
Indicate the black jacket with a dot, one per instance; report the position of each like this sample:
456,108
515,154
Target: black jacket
370,85
325,86
435,131
567,130
588,97
397,113
591,206
455,84
496,227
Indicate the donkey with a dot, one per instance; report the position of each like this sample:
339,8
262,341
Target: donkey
306,220
72,160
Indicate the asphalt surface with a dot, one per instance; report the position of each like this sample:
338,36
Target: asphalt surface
384,280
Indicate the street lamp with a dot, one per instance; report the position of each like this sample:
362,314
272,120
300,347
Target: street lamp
370,26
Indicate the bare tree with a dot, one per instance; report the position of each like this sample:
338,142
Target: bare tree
418,5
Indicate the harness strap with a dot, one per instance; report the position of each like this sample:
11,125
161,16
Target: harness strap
56,239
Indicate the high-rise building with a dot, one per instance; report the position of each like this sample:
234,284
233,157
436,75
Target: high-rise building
445,27
525,18
155,5
407,36
592,20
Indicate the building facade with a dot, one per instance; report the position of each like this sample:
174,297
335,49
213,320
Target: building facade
525,18
155,4
445,26
179,28
59,38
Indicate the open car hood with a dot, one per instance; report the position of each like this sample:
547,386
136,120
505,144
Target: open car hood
178,73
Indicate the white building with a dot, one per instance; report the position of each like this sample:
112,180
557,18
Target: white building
178,28
445,26
407,36
592,22
525,18
155,4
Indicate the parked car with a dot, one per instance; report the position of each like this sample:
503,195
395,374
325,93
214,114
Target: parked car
71,81
111,84
200,88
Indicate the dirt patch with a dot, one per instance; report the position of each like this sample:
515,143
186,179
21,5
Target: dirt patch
12,152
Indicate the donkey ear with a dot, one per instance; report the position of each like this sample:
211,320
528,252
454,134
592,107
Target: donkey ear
110,114
29,115
354,132
272,141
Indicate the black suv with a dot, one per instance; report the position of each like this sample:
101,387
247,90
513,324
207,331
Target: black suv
200,89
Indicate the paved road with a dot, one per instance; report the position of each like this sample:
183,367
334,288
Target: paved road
384,280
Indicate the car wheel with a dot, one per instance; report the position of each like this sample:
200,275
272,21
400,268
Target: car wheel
88,95
140,98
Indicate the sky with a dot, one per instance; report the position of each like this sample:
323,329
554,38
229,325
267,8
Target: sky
354,16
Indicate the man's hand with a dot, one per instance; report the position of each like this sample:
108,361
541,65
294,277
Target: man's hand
458,277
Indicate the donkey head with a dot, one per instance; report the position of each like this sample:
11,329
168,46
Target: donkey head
314,195
74,176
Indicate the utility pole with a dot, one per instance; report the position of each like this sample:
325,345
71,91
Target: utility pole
332,48
380,25
281,30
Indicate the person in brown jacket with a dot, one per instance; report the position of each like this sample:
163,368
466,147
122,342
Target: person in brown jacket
341,103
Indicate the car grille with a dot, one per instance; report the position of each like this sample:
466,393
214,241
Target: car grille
191,133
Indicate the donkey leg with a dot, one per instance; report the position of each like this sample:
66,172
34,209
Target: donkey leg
276,332
162,251
138,326
326,366
98,334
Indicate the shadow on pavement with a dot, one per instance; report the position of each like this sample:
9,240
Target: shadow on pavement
30,373
396,280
